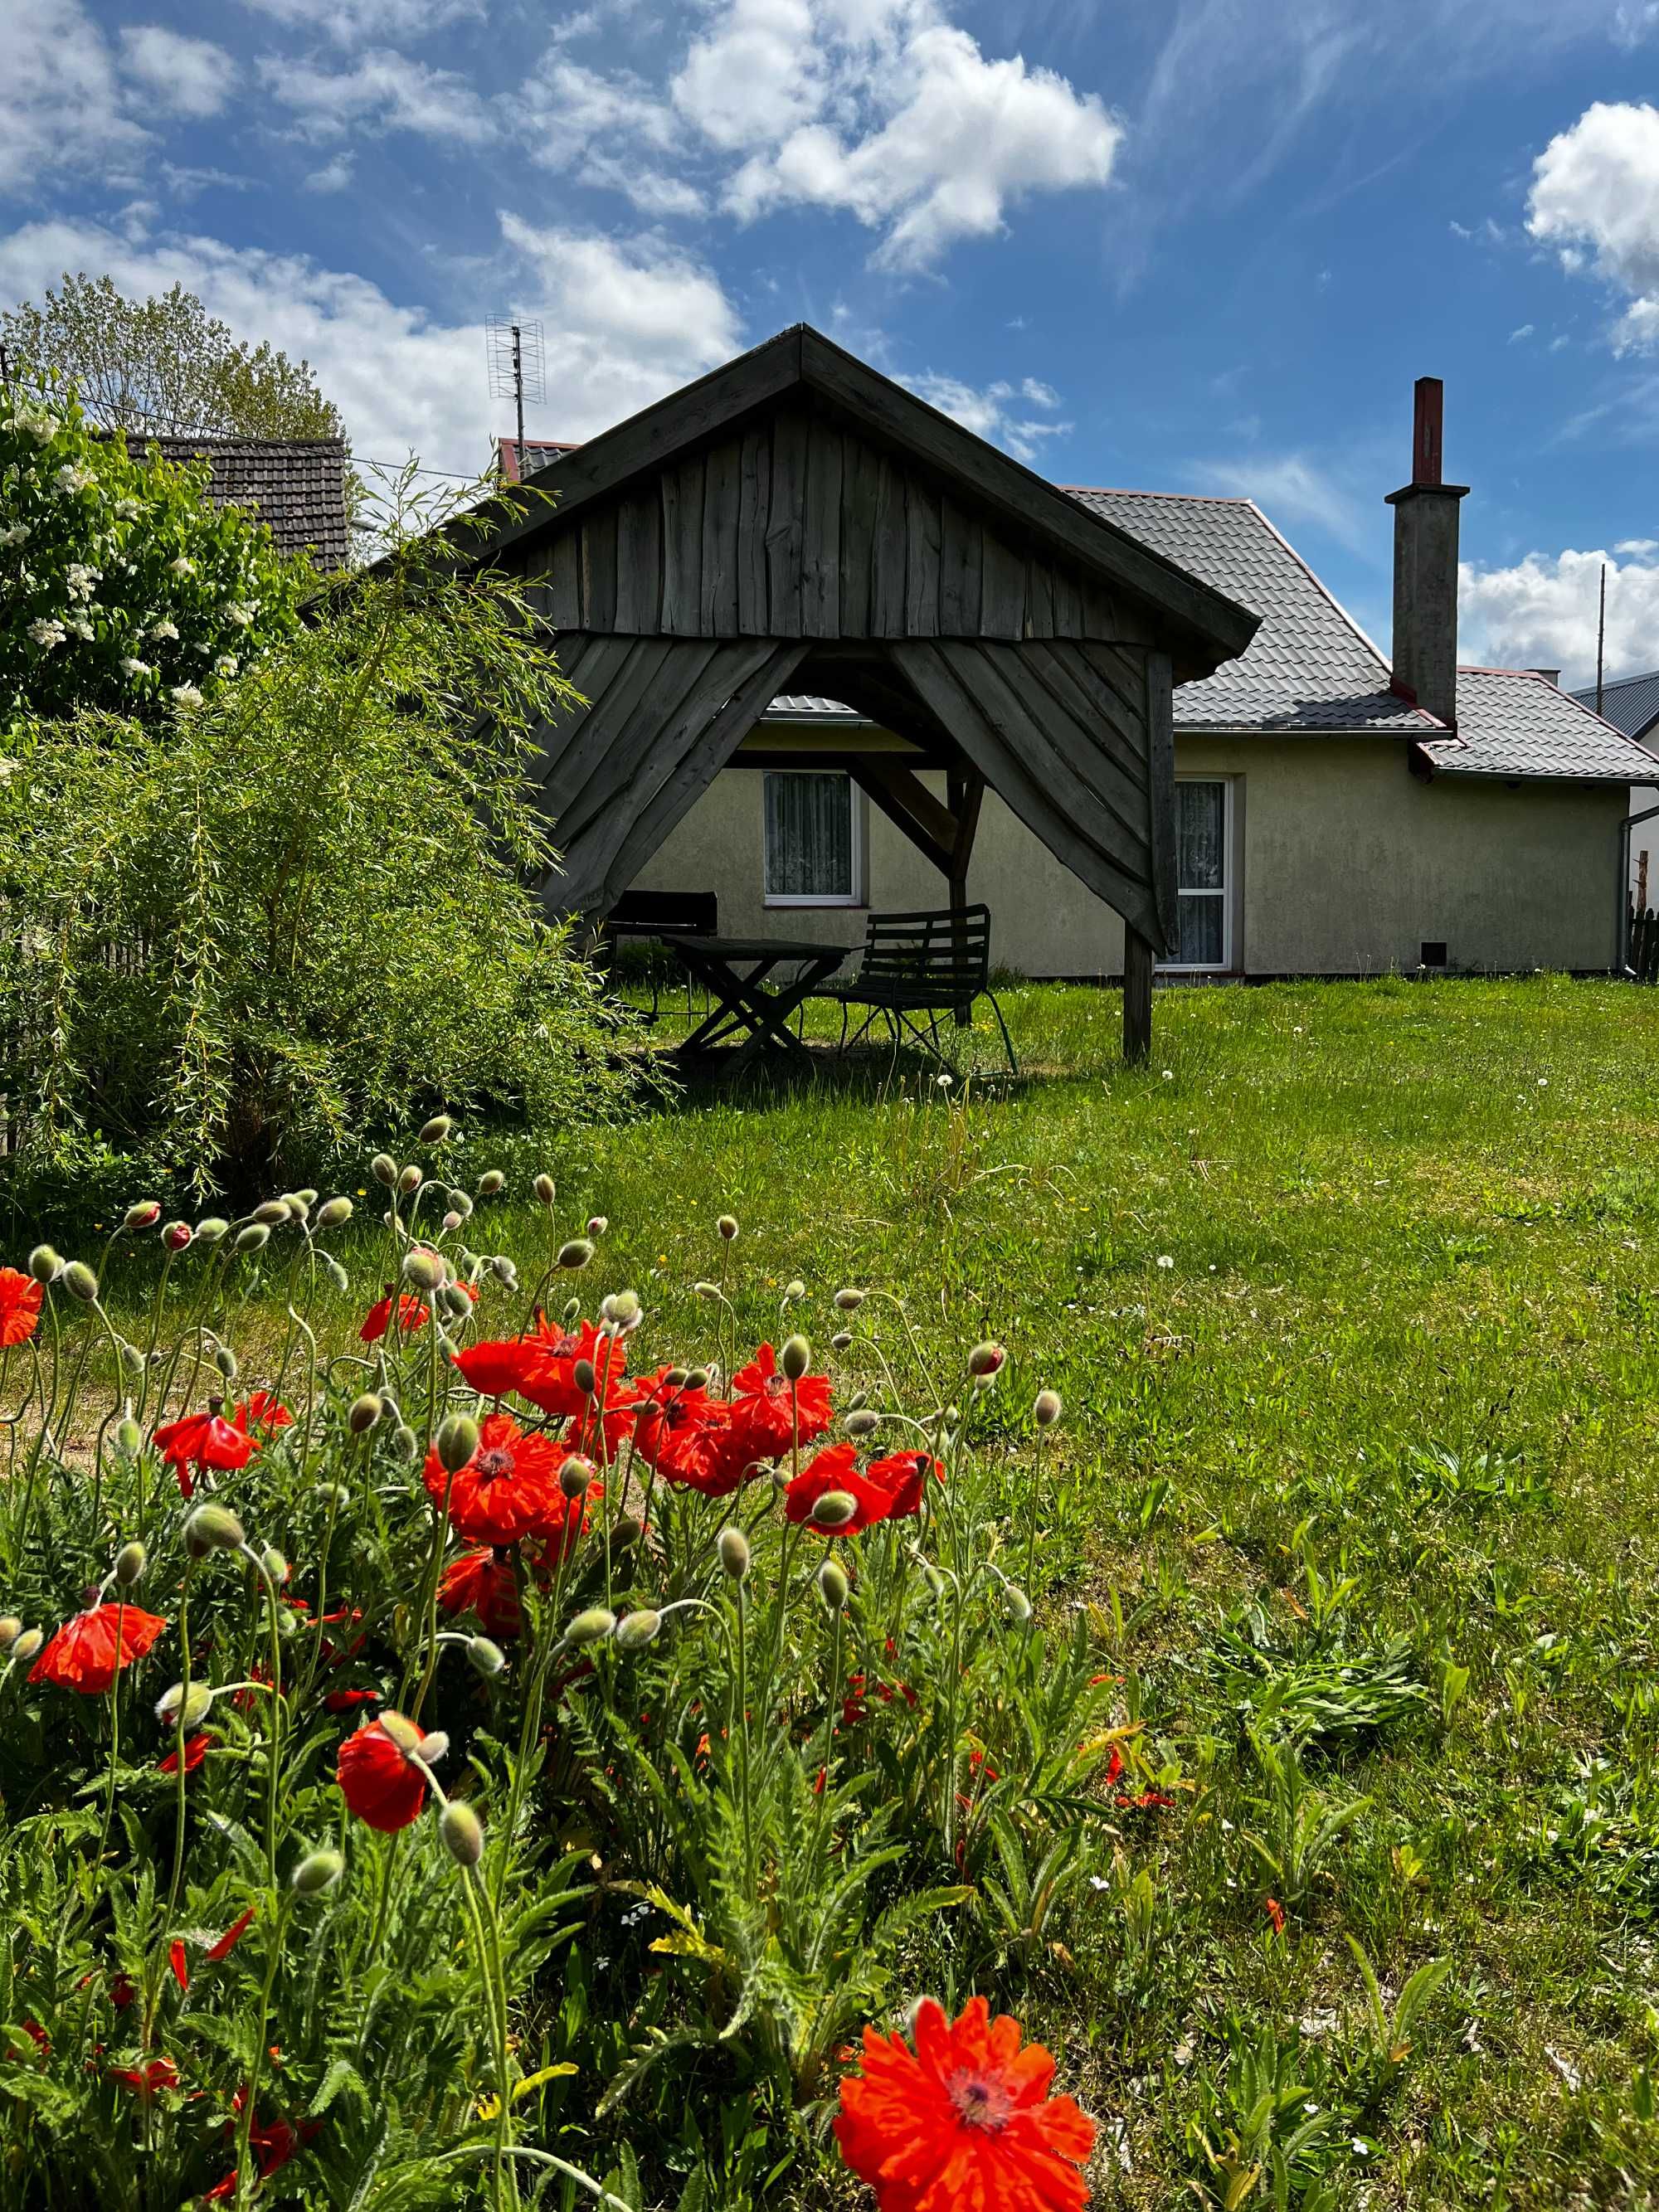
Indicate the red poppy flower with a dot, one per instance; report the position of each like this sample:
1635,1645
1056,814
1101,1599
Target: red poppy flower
763,1409
121,1992
686,1435
88,1652
966,2120
204,1440
1275,1912
484,1583
836,1468
347,1701
377,1782
497,1365
550,1357
411,1316
261,1411
270,2145
144,2080
179,1963
20,1306
232,1937
38,2036
902,1475
196,1750
508,1488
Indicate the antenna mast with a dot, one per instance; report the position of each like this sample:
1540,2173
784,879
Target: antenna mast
1601,637
518,368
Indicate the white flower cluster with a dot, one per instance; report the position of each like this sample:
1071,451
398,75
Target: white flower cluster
70,478
42,428
164,629
79,580
225,664
127,509
186,695
130,667
181,566
47,633
18,534
241,612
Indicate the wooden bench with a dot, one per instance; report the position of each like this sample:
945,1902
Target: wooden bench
648,915
929,963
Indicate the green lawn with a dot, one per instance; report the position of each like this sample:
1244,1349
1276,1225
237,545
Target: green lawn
1353,1295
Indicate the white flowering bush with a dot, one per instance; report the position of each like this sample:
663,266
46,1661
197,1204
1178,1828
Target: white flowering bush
121,588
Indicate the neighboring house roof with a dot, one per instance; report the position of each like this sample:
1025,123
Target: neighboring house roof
1631,705
297,486
1515,725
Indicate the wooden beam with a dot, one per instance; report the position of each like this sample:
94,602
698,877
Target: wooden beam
965,791
891,790
1137,995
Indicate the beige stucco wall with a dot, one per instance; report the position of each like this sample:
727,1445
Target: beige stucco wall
1343,864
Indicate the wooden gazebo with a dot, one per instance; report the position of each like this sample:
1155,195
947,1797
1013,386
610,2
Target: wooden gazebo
794,522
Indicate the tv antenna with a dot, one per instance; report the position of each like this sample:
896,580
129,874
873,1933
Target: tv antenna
518,365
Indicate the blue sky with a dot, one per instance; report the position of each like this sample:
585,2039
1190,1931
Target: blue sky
1198,245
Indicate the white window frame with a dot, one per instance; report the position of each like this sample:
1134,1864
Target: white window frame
855,845
1226,893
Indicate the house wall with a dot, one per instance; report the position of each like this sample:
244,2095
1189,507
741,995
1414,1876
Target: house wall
1343,864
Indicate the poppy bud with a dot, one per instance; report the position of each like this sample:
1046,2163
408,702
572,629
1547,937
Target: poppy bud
406,1443
794,1288
212,1230
434,1131
1016,1604
462,1832
177,1235
835,1509
576,1254
44,1265
575,1476
582,1375
727,1225
333,1212
504,1271
840,1339
546,1188
832,1585
422,1269
734,1553
130,1437
11,1629
434,1747
337,1274
316,1872
174,1709
675,1378
456,1440
622,1307
591,1627
253,1238
934,1580
410,1181
455,1300
795,1357
144,1215
363,1414
707,1290
384,1168
597,1224
490,1181
307,1198
225,1360
862,1423
696,1379
985,1359
488,1659
28,1646
299,1207
849,1301
572,1307
132,1360
460,1203
80,1282
1045,1409
272,1212
403,1733
626,1530
130,1564
635,1630
274,1563
212,1528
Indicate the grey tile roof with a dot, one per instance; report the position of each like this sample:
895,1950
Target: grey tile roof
1631,705
297,486
797,706
1513,724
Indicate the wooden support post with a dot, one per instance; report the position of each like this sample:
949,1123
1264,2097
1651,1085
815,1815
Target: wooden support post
1137,995
965,792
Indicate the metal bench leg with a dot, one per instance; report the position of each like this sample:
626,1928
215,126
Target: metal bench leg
1007,1042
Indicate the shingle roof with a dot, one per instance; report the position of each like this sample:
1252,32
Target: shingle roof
1513,724
297,486
1631,705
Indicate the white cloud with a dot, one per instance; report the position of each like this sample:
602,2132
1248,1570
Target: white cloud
755,76
351,21
627,321
1594,197
60,105
1520,336
1542,612
989,412
334,176
188,76
382,90
1290,487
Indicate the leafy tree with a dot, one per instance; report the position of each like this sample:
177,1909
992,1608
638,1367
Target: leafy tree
164,366
122,587
237,943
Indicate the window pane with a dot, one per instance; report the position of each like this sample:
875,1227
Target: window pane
1200,830
1202,924
809,836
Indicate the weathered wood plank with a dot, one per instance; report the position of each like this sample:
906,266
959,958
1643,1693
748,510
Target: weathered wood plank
906,801
961,542
861,468
1160,726
887,550
786,524
628,722
1060,666
613,673
639,561
681,547
600,570
1039,599
564,580
1002,595
720,504
922,559
820,553
754,516
1068,604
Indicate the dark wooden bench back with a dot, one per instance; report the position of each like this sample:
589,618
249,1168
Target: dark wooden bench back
645,914
943,957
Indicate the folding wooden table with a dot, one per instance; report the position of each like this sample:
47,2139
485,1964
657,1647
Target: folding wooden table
746,997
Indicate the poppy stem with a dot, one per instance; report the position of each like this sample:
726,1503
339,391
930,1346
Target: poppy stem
179,1745
274,1721
245,2118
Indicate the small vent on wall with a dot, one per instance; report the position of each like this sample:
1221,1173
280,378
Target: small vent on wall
1433,954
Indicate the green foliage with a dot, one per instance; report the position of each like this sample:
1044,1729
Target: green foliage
304,910
164,366
123,589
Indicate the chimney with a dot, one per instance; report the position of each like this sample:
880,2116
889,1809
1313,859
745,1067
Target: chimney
1425,567
1549,675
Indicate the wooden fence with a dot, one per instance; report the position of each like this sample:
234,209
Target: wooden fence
1642,956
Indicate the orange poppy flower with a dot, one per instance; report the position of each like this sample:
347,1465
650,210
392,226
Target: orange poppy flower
965,2119
484,1583
232,1937
144,2080
196,1750
20,1306
204,1440
509,1488
835,1468
765,1411
88,1652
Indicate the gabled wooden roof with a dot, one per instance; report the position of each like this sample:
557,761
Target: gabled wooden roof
1200,626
